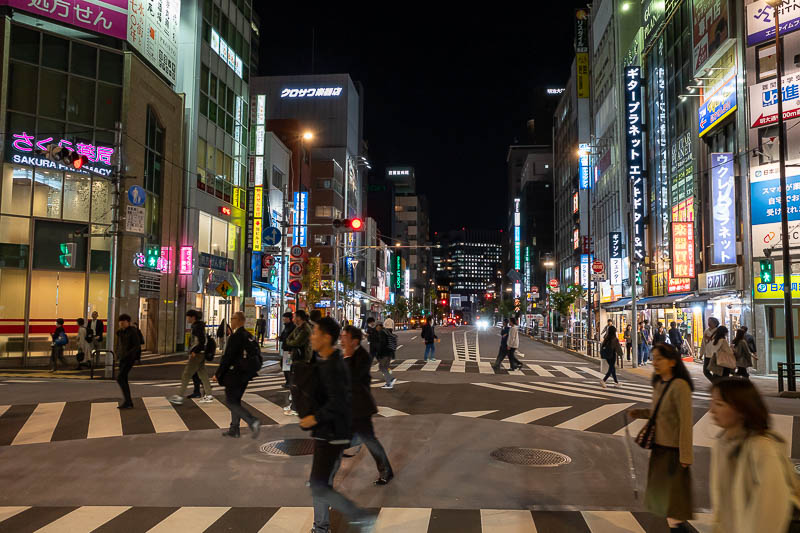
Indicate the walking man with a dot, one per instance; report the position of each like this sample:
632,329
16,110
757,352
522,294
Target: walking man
128,350
286,352
386,350
705,350
299,341
233,375
429,336
513,345
261,329
59,340
330,422
196,364
374,339
359,362
501,354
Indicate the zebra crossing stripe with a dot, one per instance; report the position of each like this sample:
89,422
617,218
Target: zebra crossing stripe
272,410
405,365
86,518
540,371
163,417
40,425
217,412
407,520
290,520
8,512
500,387
506,521
459,366
190,519
542,388
431,366
633,428
534,414
611,521
388,412
567,372
592,372
600,392
474,414
264,388
3,409
595,416
104,421
516,373
485,368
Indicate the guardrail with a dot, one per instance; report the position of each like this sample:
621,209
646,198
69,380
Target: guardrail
575,343
783,371
109,366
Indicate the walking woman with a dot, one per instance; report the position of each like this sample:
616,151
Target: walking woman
628,341
722,359
753,486
669,482
744,357
610,349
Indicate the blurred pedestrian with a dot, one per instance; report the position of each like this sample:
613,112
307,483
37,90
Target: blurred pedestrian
705,350
373,337
128,349
94,332
741,350
660,334
196,363
669,483
513,344
610,349
286,352
751,342
84,345
429,336
59,340
386,350
628,341
753,484
261,330
299,341
723,361
675,337
503,350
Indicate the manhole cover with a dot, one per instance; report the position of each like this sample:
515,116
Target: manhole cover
288,447
530,457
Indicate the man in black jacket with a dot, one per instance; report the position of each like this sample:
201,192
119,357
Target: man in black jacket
429,336
501,354
128,349
359,362
330,425
374,338
95,329
196,364
234,377
299,342
286,352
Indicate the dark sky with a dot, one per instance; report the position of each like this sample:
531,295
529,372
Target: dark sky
445,92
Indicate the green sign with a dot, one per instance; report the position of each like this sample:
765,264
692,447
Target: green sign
66,258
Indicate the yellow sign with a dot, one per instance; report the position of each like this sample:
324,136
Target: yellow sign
224,289
257,235
258,203
582,65
774,291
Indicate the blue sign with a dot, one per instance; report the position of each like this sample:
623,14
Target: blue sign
765,200
761,21
634,148
583,167
723,200
136,195
300,219
717,106
271,236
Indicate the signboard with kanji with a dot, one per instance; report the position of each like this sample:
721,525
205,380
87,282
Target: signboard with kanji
683,264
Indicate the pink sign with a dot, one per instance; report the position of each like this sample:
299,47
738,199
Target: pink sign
109,17
186,260
167,258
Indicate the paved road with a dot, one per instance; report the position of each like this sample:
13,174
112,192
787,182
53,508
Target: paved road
69,454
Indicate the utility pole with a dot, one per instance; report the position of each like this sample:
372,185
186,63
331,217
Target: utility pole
116,178
336,276
281,265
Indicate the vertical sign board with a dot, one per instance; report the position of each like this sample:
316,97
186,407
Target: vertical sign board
258,213
683,250
634,111
407,285
615,255
300,219
586,261
582,52
723,203
583,166
517,236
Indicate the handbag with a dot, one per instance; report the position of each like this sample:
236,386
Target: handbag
724,356
80,356
647,435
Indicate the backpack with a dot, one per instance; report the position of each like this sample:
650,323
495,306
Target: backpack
251,358
62,339
211,348
391,341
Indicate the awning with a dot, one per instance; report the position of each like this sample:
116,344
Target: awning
667,302
692,300
619,305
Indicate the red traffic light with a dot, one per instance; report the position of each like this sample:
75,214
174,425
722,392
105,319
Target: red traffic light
79,161
356,224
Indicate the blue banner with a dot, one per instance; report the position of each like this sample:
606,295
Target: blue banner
717,106
723,200
765,200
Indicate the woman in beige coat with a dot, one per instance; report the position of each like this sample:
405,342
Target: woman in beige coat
753,487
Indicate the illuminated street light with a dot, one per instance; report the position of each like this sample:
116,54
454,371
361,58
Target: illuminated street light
308,136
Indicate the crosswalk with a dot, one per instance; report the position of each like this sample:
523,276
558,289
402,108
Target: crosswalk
261,383
477,366
300,519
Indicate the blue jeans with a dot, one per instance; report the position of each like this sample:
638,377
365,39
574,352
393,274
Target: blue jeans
429,348
644,353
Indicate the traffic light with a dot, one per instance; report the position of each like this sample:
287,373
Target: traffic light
348,224
767,271
152,255
67,255
65,156
638,275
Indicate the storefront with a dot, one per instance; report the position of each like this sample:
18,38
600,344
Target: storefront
771,321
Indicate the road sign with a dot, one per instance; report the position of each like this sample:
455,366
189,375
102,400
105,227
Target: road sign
268,261
136,195
553,283
296,251
295,286
224,289
295,269
598,267
598,276
271,236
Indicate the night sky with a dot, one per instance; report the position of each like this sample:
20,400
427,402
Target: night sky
445,93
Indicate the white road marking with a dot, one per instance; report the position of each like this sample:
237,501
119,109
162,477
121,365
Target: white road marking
104,421
8,512
405,520
265,388
399,347
506,521
405,365
592,372
567,372
540,371
389,412
459,366
290,520
3,409
414,337
477,348
611,522
500,387
466,347
621,392
601,392
485,368
217,412
40,425
633,428
534,414
431,366
516,373
272,410
705,431
382,382
595,416
542,388
86,518
474,414
164,418
190,520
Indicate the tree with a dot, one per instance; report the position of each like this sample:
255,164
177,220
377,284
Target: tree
562,300
399,310
311,281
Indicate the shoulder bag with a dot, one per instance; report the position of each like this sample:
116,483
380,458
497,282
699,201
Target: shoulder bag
647,435
724,356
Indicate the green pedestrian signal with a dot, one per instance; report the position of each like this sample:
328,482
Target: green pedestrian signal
767,271
638,275
152,255
66,257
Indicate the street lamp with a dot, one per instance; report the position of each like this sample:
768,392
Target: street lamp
787,261
307,136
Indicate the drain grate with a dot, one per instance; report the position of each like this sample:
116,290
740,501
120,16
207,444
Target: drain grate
288,447
530,457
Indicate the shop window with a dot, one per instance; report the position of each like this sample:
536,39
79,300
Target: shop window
22,93
100,256
237,239
13,285
109,102
53,95
48,237
54,294
98,294
14,242
81,101
219,237
84,60
101,201
47,194
77,196
204,234
55,52
778,323
16,193
110,67
26,44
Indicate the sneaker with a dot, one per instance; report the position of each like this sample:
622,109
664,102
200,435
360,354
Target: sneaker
603,383
386,386
175,399
232,432
194,395
290,412
255,428
207,399
391,383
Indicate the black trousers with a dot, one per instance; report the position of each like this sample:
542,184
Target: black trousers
612,371
125,366
512,360
196,381
501,354
327,458
261,337
56,355
364,432
234,390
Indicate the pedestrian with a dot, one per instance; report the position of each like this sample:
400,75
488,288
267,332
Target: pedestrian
261,330
753,485
94,332
84,345
610,349
330,422
708,336
628,341
669,482
723,360
196,364
741,350
359,362
605,329
647,336
286,352
429,336
222,334
675,337
373,337
644,345
503,351
660,334
59,340
751,341
234,375
513,344
128,349
299,342
386,350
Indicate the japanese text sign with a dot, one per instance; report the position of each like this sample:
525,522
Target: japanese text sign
24,148
761,21
764,100
634,111
710,29
723,203
717,106
765,194
774,291
153,31
583,167
300,219
683,264
615,245
185,260
108,17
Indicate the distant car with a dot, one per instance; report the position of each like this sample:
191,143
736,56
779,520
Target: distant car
482,324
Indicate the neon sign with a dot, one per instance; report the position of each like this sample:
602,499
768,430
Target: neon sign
300,218
25,150
186,260
227,54
311,92
634,111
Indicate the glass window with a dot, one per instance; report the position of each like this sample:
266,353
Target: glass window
204,234
26,44
220,159
201,152
101,250
212,91
13,285
49,235
47,194
152,222
204,78
212,111
154,161
111,67
53,94
81,101
226,192
228,168
220,186
229,102
55,52
51,128
109,101
210,158
84,60
14,242
98,294
219,237
77,196
16,193
101,201
203,105
22,93
201,179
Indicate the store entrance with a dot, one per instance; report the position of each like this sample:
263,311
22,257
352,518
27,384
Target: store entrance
148,322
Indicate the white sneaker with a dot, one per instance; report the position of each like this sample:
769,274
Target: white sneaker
385,386
175,399
287,408
290,412
603,383
206,399
391,383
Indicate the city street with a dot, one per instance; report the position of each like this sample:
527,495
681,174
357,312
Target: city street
70,461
